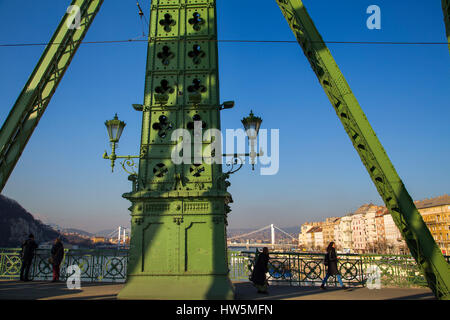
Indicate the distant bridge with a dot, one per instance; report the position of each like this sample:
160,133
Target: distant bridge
121,234
272,244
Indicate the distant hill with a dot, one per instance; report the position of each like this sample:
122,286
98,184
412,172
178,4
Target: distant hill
105,233
16,223
72,230
238,231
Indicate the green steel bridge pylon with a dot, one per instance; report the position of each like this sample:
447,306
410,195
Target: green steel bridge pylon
178,246
389,185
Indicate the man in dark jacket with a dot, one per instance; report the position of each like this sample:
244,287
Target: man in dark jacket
57,257
28,248
259,271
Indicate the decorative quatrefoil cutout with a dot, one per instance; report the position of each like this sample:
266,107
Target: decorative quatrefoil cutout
196,90
197,21
167,22
164,88
162,92
165,55
196,87
163,126
196,54
196,170
196,117
160,170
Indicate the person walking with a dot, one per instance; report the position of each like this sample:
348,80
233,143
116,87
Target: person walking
259,271
57,257
331,262
28,249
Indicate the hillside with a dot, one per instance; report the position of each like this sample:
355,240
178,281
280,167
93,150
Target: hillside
16,223
77,231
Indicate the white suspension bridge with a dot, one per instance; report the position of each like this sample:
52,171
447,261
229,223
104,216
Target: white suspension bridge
249,239
121,234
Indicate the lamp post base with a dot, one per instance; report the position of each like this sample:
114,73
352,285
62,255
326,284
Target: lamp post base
181,287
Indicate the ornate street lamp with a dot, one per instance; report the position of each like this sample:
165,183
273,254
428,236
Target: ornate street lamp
115,128
251,126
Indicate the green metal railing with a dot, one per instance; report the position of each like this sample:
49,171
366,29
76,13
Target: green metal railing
95,265
304,269
307,269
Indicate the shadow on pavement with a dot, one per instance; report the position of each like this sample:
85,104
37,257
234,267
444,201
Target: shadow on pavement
246,291
17,290
33,290
422,296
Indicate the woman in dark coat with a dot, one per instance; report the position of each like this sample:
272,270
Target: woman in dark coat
331,262
57,257
259,271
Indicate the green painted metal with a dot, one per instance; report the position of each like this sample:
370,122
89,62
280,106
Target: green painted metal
446,10
96,265
389,185
38,91
293,268
179,212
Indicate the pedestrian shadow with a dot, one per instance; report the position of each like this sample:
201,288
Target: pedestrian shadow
246,291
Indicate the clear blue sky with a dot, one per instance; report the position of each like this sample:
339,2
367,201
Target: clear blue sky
404,91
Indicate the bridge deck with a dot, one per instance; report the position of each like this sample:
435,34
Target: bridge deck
244,291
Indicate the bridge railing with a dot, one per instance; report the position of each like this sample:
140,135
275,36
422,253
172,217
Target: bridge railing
304,269
105,265
308,269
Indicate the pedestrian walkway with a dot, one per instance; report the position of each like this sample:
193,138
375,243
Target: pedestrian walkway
244,291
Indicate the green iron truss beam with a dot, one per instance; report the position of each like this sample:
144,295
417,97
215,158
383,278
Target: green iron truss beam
389,185
446,10
38,91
